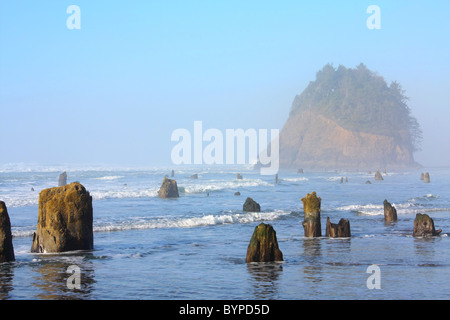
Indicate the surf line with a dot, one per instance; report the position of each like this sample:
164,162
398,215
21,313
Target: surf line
257,151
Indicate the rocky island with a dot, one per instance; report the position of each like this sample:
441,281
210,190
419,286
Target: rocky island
349,119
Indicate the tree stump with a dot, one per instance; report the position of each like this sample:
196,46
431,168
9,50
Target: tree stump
251,205
390,213
65,220
62,181
6,245
340,230
311,223
378,175
169,189
263,246
424,226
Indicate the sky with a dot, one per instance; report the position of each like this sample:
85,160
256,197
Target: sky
113,91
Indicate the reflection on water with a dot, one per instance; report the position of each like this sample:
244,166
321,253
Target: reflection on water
312,252
51,277
6,279
264,279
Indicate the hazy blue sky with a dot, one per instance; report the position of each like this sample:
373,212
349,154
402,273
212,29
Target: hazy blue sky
113,91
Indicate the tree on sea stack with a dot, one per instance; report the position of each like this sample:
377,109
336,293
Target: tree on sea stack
65,220
263,246
311,207
6,245
169,189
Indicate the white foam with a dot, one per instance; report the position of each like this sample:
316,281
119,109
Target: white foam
190,222
295,179
121,194
109,178
217,185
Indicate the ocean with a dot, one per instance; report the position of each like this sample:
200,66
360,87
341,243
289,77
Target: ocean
194,247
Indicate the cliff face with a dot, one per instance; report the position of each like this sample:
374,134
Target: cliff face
345,121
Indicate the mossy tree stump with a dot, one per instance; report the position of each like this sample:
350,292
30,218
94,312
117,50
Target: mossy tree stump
424,226
65,220
390,213
6,245
340,230
251,205
169,189
263,246
311,207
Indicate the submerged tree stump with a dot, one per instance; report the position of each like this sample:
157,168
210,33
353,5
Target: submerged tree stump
6,245
65,220
169,189
390,213
62,181
424,226
311,223
340,230
378,175
251,205
263,246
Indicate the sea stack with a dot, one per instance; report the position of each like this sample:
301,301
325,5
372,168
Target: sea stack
251,205
62,179
311,207
6,245
65,220
340,230
390,213
426,177
238,176
422,176
378,175
194,176
169,189
424,226
263,245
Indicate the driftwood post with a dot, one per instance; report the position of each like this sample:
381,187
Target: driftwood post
340,230
311,223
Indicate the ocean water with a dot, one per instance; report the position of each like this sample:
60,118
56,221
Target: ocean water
194,247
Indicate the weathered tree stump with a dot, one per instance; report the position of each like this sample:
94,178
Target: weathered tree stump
169,189
251,205
378,175
311,223
424,226
6,245
340,230
263,245
62,181
65,220
390,213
